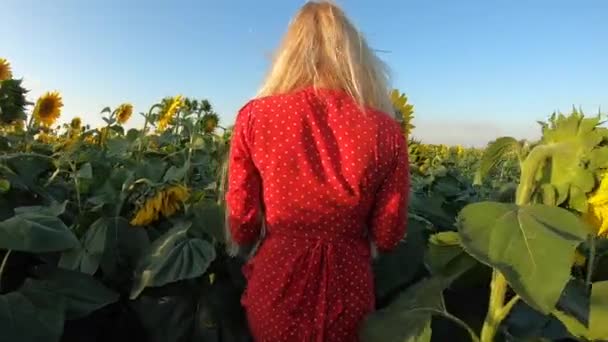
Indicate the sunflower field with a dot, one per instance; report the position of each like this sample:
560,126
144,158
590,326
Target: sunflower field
115,234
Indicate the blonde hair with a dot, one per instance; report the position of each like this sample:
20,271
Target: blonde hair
323,49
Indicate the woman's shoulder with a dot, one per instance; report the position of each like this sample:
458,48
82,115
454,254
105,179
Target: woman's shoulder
266,101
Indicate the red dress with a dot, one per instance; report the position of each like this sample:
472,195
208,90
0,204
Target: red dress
328,178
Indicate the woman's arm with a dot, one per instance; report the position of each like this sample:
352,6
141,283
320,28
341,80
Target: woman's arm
389,215
243,200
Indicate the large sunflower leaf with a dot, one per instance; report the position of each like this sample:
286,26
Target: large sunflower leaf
86,259
408,258
494,154
531,245
31,318
173,256
82,294
26,168
408,318
597,330
446,258
36,232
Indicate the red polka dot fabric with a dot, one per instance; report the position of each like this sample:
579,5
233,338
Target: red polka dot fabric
328,179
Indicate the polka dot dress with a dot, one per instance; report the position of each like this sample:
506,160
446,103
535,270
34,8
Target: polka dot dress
328,178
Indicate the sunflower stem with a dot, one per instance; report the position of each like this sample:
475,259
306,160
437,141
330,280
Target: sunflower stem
529,169
447,315
77,188
497,310
3,265
29,137
591,261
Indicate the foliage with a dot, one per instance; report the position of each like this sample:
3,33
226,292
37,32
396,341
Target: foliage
120,233
540,242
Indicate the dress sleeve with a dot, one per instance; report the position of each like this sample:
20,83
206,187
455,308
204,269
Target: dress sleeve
244,184
389,215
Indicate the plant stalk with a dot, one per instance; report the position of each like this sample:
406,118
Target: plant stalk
496,306
3,265
529,169
447,315
590,261
497,310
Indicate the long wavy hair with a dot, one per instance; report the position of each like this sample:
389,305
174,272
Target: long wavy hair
322,49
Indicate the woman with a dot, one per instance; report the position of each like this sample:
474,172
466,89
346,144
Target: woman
317,160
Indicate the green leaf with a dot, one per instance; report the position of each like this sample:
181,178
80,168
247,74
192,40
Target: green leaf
209,219
123,248
82,293
85,171
27,168
152,169
55,209
598,316
118,146
396,269
532,245
5,186
494,154
445,257
175,174
599,310
599,158
87,258
408,318
172,257
26,319
36,232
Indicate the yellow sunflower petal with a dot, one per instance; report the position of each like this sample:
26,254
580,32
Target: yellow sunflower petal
5,70
124,112
48,108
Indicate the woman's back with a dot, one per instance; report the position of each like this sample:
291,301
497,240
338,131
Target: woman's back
325,175
321,160
328,177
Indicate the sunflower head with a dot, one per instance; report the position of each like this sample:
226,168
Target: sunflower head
48,108
164,203
170,108
124,112
76,124
597,209
210,122
403,110
5,70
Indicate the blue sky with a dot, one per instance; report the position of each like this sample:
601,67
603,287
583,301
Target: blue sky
474,69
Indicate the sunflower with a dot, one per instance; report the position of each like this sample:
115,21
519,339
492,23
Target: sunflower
459,150
210,122
124,112
47,138
597,209
76,123
5,70
170,108
164,203
48,108
403,110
